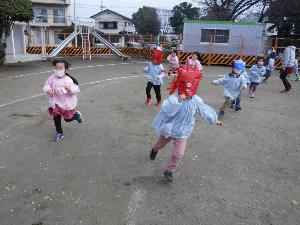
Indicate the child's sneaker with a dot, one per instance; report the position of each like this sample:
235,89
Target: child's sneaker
237,108
58,137
168,176
153,154
78,117
221,115
285,91
148,101
158,103
297,79
232,105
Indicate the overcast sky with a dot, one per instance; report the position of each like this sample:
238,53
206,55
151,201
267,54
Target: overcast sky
87,8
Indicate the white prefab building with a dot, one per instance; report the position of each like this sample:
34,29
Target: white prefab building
110,22
223,37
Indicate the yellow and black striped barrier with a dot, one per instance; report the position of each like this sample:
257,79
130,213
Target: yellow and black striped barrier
207,58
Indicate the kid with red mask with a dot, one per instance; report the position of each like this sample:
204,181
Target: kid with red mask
155,75
176,118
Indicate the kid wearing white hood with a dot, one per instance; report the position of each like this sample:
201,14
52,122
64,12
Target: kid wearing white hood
288,64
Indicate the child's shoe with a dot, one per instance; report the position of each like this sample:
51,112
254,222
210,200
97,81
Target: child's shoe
232,105
153,154
158,103
237,108
297,79
252,95
78,117
148,101
168,176
221,115
58,137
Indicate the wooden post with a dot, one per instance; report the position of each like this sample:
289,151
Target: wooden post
210,50
242,47
276,44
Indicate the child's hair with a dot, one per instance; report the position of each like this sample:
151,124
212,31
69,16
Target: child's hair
67,65
174,51
198,56
259,57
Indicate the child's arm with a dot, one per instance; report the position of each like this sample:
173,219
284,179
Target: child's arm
207,113
253,70
263,71
161,73
47,87
220,81
72,88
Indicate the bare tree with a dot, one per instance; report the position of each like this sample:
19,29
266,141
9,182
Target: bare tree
231,9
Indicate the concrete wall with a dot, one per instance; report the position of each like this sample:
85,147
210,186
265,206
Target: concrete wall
19,40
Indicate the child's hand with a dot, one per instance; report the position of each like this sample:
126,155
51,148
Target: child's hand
50,93
68,88
219,123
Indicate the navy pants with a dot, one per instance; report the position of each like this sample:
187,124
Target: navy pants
253,86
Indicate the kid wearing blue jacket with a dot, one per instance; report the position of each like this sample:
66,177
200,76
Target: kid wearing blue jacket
257,71
233,84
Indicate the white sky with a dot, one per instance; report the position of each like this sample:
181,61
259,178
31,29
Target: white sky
87,8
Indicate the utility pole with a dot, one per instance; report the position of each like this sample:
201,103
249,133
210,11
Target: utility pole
75,23
102,7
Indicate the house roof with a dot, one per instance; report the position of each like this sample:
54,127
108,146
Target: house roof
221,22
108,10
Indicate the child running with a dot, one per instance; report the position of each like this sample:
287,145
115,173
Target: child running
257,71
62,89
173,62
155,76
236,104
194,61
176,118
270,66
233,84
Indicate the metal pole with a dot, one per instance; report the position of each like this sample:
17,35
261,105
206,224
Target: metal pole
13,42
75,24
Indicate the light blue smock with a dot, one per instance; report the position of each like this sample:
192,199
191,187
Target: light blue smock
232,86
176,119
155,74
256,73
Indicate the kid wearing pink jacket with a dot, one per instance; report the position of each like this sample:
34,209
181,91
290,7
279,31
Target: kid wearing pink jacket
62,89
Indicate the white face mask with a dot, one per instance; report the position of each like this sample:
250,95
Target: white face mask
260,64
59,73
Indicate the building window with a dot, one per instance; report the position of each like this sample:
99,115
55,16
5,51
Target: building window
57,40
108,25
214,35
59,16
40,15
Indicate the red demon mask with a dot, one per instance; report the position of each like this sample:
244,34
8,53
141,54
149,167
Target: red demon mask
188,80
157,56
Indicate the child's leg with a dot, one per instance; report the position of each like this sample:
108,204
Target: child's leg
57,123
157,92
238,101
225,105
148,89
177,154
283,77
161,143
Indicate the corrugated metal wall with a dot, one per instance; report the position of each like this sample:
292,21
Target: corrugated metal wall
243,39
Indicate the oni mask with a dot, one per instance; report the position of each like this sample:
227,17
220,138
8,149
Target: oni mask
188,81
157,56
